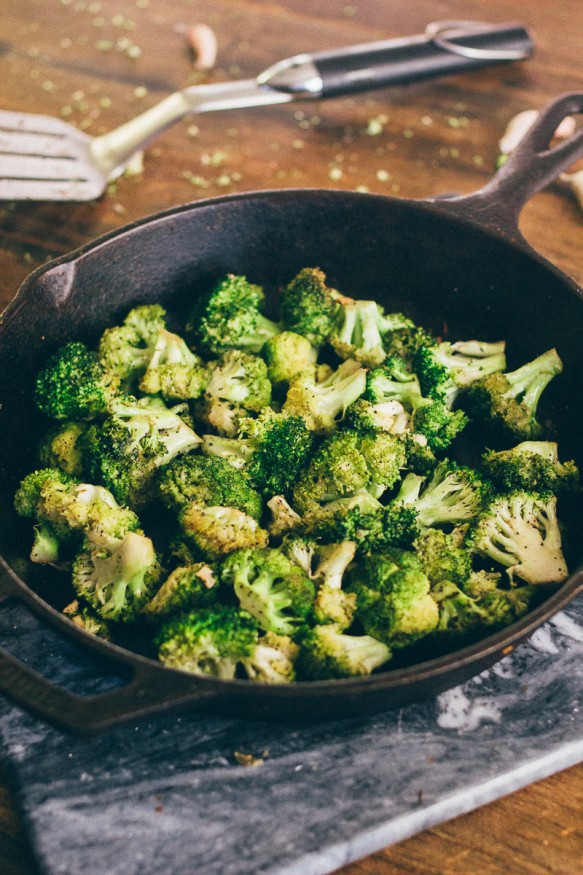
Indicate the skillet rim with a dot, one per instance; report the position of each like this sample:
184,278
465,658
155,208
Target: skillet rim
488,649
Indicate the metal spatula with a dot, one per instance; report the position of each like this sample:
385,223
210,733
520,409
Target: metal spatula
42,158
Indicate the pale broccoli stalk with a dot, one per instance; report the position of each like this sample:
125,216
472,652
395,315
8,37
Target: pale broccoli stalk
46,547
332,603
453,494
270,588
174,371
284,519
447,369
326,652
521,532
272,660
323,404
359,329
116,576
508,402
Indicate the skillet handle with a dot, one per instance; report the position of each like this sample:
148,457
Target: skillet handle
529,168
146,688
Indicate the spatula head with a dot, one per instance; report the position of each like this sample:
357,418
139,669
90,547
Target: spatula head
43,158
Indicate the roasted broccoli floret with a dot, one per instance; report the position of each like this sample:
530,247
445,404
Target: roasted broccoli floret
337,469
452,494
116,576
63,508
326,652
284,518
125,452
125,350
521,532
393,600
533,466
308,306
207,481
271,449
174,371
420,457
438,424
445,555
212,641
392,381
61,448
359,330
83,616
323,404
322,520
188,588
74,384
239,379
270,587
507,403
388,416
272,660
332,603
215,531
288,355
388,526
447,369
229,316
464,611
405,337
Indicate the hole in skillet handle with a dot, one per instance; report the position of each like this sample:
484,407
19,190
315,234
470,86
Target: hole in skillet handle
67,682
530,167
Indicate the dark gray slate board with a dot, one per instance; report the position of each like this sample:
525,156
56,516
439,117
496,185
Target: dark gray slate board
167,795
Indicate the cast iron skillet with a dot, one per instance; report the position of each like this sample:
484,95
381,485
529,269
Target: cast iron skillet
460,262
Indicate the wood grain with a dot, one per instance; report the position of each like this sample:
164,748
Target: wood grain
97,64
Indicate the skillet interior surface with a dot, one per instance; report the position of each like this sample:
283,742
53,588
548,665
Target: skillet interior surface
445,272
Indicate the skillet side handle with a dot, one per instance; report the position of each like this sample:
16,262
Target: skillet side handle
146,689
528,169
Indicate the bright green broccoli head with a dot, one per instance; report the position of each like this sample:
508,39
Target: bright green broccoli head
125,452
336,470
507,403
326,652
531,466
278,445
28,495
74,384
438,424
213,641
229,316
288,355
208,481
393,600
308,307
270,587
447,369
392,381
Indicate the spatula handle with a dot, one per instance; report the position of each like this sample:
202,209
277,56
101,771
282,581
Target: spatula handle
447,47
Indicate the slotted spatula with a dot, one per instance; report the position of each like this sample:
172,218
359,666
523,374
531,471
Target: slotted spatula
43,158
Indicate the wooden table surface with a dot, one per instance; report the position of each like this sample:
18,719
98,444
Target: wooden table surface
96,64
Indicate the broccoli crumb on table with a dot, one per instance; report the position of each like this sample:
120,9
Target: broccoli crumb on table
288,500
